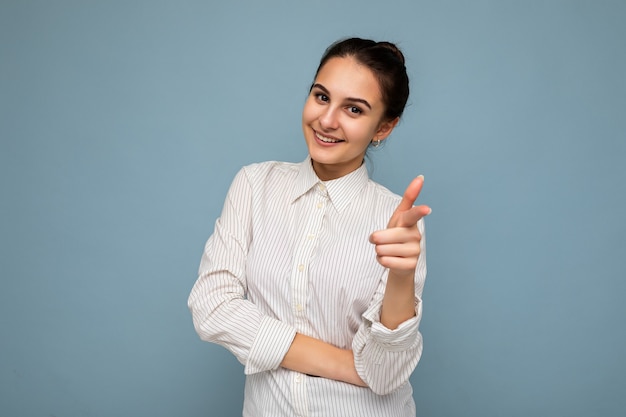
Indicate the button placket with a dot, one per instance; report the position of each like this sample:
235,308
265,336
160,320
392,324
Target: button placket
299,393
311,225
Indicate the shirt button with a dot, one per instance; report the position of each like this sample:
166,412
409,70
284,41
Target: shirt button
322,187
310,236
298,379
300,267
320,205
299,307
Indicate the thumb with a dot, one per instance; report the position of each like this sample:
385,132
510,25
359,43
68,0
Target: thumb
410,217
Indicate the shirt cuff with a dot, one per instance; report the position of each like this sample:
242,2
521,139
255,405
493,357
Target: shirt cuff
270,346
400,339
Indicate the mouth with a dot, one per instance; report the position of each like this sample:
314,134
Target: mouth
326,139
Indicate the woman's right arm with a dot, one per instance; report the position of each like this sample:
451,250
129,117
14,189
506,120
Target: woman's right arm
220,311
222,314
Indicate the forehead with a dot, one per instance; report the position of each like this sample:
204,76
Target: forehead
346,77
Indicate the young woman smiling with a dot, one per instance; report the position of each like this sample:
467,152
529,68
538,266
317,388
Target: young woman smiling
314,273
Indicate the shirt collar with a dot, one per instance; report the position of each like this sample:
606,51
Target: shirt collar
341,191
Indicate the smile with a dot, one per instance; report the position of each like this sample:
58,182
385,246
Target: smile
327,139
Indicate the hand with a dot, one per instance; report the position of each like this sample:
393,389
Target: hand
398,246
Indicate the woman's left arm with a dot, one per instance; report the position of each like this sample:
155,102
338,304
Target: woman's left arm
398,248
388,345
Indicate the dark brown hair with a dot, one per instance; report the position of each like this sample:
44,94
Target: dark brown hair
385,60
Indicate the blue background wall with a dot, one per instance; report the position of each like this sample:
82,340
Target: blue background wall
123,123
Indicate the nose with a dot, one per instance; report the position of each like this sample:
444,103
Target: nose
328,119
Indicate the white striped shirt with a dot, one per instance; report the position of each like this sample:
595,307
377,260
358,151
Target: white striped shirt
289,254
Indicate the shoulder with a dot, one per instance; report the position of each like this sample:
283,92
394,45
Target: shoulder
261,169
260,175
383,194
381,202
269,170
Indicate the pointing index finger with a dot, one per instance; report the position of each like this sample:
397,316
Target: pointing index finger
410,194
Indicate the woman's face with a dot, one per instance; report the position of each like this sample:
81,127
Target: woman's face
341,116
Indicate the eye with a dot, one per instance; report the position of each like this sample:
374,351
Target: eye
355,110
322,97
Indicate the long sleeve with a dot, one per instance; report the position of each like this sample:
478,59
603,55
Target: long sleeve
220,310
386,358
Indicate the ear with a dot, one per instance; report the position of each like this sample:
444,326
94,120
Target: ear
385,128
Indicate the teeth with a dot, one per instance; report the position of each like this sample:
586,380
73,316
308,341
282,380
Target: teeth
325,139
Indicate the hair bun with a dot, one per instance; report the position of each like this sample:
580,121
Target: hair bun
393,48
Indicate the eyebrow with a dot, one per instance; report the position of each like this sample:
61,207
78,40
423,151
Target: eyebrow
354,99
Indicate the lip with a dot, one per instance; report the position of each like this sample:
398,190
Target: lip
316,134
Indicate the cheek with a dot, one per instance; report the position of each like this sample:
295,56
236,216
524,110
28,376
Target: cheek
372,130
308,111
360,131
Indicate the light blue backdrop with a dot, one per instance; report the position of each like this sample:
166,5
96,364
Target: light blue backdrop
123,123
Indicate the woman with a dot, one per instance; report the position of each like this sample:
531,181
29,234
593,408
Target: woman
314,273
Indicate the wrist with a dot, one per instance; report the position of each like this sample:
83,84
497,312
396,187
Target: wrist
402,276
346,369
399,299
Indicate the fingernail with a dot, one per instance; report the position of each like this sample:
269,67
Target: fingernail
420,176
